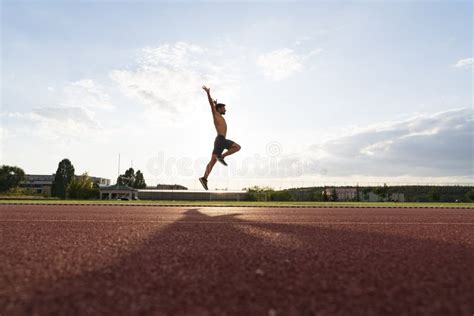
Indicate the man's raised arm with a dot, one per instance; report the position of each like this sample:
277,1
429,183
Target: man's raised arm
211,102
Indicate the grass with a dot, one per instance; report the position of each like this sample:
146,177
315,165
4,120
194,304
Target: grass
241,203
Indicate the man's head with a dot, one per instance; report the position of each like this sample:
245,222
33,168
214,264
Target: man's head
220,107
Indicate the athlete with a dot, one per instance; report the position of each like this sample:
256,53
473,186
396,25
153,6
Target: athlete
221,143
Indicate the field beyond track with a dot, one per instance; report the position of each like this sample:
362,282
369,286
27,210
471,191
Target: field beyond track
119,260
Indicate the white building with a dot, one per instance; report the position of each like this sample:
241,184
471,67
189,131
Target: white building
343,194
349,194
394,197
118,192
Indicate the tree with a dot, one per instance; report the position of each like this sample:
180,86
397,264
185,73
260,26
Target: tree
469,195
132,179
325,195
62,178
434,194
257,188
333,195
382,191
128,178
283,195
385,191
256,193
82,187
316,195
10,177
365,193
357,197
139,181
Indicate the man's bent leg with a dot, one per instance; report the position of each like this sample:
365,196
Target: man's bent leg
232,150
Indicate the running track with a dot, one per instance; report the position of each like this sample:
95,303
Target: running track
116,260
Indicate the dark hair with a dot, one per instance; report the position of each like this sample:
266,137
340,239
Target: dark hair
218,105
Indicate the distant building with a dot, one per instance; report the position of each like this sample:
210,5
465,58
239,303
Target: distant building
397,197
117,192
41,183
349,194
393,197
372,197
102,182
343,194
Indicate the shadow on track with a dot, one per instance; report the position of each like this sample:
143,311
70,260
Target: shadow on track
223,265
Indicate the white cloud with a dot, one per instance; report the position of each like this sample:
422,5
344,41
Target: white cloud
168,78
371,150
54,123
439,144
72,118
282,63
67,116
86,93
3,134
465,63
301,40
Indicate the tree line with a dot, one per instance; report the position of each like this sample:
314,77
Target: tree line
65,183
412,193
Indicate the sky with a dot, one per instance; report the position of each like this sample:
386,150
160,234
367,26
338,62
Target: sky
317,93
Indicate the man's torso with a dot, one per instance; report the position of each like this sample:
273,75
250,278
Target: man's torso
220,124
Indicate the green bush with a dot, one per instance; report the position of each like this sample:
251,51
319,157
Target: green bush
82,187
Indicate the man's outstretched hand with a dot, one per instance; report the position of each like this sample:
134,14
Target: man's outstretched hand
211,101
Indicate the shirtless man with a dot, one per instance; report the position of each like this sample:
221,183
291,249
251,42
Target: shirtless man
221,143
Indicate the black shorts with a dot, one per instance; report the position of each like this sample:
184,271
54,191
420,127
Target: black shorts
220,144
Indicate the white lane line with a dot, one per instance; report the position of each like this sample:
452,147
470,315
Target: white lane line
249,206
225,222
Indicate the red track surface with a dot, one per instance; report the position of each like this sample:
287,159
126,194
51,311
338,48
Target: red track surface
72,260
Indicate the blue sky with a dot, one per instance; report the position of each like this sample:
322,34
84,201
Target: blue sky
317,92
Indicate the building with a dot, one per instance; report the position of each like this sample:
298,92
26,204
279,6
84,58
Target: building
118,192
372,197
342,194
393,197
102,182
349,194
42,184
397,197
